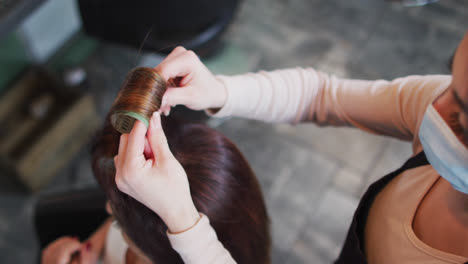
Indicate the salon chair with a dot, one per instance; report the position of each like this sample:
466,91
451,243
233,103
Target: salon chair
159,26
72,213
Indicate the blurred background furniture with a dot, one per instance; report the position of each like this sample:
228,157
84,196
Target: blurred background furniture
156,26
160,25
72,213
43,126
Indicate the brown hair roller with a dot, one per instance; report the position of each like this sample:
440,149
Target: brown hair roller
140,96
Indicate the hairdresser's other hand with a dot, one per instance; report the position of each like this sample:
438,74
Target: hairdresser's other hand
198,88
68,250
160,182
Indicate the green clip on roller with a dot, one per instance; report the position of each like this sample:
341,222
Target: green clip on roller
139,97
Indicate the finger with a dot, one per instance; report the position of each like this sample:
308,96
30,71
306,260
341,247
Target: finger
75,260
136,140
148,151
178,66
177,96
67,249
175,52
175,82
87,254
123,146
186,80
164,104
116,161
162,109
157,139
167,111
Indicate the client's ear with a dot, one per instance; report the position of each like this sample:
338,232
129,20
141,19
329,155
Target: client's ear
108,208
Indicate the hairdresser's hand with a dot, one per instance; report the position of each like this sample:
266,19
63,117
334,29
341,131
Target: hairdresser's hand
68,250
160,183
198,88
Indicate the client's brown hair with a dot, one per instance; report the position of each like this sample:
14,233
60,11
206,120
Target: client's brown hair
222,184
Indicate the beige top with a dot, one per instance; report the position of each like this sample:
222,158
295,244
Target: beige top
389,235
197,245
200,245
393,108
116,247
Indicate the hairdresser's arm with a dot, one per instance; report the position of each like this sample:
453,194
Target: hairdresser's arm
298,95
161,184
391,108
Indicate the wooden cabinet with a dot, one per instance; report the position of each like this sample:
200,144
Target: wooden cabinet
42,126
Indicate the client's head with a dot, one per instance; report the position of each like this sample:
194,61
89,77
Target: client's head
222,185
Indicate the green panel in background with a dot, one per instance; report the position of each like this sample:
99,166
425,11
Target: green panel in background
232,59
13,59
73,53
14,56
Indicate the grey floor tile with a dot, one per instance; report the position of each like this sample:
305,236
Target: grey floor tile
447,14
303,183
396,47
352,147
287,219
323,234
293,176
233,59
21,232
325,52
280,256
18,241
263,150
282,166
394,155
352,20
409,44
11,207
333,215
18,255
309,252
350,181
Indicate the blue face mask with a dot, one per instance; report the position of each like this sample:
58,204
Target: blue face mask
444,151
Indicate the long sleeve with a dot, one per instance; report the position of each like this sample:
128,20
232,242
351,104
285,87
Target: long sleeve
392,108
200,245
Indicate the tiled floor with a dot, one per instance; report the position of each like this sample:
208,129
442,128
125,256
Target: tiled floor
312,177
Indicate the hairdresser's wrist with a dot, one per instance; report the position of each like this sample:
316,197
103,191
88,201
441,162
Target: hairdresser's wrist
181,220
220,94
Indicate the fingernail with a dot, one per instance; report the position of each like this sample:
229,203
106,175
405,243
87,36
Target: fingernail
88,246
156,118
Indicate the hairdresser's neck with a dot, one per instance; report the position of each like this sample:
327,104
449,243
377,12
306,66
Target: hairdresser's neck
458,204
